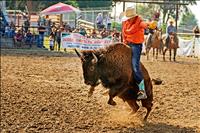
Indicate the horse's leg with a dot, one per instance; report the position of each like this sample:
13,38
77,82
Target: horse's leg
170,53
147,51
133,104
175,54
164,54
153,53
156,53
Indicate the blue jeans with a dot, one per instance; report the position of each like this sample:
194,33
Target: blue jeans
41,40
136,53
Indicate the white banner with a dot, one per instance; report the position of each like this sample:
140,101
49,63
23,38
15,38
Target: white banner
185,47
197,47
189,47
76,40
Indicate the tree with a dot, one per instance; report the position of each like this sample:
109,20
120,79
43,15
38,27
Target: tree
42,4
170,9
188,20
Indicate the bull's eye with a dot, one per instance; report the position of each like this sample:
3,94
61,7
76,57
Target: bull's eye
92,68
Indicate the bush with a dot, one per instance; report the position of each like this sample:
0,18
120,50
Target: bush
117,25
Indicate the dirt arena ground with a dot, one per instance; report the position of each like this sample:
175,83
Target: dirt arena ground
43,92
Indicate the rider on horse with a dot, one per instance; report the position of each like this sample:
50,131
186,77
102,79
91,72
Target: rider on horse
152,27
171,29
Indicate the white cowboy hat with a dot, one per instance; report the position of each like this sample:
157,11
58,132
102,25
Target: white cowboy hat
129,13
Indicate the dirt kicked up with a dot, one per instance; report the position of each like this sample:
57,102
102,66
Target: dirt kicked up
44,92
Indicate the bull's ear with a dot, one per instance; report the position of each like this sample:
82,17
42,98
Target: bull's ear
79,55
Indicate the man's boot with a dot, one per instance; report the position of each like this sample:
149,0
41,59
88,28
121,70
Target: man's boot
142,93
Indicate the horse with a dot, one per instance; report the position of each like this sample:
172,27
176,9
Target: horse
172,44
154,41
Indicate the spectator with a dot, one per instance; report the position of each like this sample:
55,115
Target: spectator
41,30
12,28
115,35
94,34
18,39
58,37
108,22
196,30
77,30
99,21
67,27
29,38
104,33
82,31
49,23
51,41
7,30
26,25
156,15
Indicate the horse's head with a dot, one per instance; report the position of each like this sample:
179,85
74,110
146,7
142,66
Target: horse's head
173,38
157,34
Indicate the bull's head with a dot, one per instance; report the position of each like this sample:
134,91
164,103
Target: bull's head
89,65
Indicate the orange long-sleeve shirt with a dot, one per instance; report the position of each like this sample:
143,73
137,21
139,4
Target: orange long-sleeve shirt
133,30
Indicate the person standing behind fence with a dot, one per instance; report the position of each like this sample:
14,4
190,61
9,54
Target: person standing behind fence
108,22
7,30
26,25
196,30
99,21
58,37
41,30
29,38
51,41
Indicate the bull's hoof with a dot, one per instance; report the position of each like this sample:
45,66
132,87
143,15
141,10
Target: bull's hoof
111,102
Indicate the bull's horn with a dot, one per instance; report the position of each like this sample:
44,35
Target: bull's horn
95,58
77,53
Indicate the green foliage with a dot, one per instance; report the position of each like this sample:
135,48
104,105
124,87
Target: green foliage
146,11
94,3
40,4
169,10
164,27
188,19
116,25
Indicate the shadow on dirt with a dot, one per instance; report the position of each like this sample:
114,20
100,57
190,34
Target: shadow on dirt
36,53
153,128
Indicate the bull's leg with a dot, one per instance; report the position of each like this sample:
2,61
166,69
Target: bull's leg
91,90
175,54
148,105
133,104
170,53
112,94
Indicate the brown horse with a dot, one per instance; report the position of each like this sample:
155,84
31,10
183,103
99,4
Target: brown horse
171,44
154,41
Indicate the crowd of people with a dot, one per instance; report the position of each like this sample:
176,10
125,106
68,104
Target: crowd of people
46,27
53,30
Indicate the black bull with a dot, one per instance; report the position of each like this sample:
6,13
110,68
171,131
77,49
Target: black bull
112,66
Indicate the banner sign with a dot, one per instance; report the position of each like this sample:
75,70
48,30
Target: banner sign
189,47
76,40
